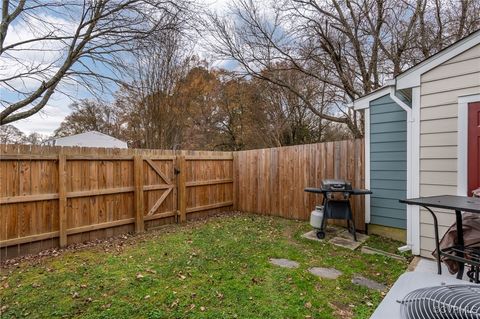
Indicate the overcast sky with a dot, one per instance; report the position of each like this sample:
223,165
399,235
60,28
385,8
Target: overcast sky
47,120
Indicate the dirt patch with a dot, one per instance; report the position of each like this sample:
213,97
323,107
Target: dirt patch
341,310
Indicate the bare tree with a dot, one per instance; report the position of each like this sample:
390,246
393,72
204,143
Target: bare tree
348,48
162,62
75,42
9,134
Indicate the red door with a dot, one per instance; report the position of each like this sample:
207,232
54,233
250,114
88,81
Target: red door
473,147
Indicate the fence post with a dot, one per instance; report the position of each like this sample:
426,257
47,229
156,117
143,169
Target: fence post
62,198
138,178
182,188
235,180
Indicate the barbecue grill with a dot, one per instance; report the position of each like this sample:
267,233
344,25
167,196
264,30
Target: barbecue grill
336,203
440,302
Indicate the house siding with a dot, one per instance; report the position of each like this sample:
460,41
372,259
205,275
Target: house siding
388,162
440,89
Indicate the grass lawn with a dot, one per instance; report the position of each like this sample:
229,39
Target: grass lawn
217,268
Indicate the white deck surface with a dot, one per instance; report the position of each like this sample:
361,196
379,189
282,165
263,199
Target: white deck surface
424,275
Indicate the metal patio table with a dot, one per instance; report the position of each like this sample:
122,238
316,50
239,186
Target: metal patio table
458,204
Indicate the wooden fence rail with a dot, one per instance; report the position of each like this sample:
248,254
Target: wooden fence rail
51,196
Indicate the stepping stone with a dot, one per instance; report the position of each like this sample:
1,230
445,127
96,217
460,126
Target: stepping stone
371,284
285,263
329,273
345,240
312,235
360,237
345,243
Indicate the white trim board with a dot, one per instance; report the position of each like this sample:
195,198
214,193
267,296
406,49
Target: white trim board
412,77
367,164
364,101
462,142
415,171
410,160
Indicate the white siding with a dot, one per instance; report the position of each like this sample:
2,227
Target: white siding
440,89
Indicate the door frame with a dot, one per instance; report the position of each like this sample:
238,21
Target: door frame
462,142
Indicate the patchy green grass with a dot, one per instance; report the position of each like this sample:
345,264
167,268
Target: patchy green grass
213,269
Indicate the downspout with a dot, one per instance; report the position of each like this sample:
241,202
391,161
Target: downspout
410,160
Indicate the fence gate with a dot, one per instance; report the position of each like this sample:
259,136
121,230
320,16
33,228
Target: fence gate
157,196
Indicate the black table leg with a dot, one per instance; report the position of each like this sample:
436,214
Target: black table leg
460,242
350,212
437,241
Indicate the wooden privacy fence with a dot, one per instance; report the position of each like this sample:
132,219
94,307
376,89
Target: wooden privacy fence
51,197
271,181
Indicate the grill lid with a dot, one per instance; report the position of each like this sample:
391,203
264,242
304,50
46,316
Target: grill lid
336,184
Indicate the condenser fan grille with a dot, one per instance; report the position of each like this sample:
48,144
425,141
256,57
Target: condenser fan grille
455,301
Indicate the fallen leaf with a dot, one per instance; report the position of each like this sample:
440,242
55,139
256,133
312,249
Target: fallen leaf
308,305
175,303
3,309
139,276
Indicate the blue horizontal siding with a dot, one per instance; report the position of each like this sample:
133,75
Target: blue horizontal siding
389,156
388,162
389,222
385,106
388,127
388,117
388,165
388,136
388,147
389,212
389,184
388,203
388,175
388,193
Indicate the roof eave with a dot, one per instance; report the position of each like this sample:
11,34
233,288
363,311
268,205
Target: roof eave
364,102
412,77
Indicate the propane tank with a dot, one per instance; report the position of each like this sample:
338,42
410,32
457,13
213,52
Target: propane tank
316,217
